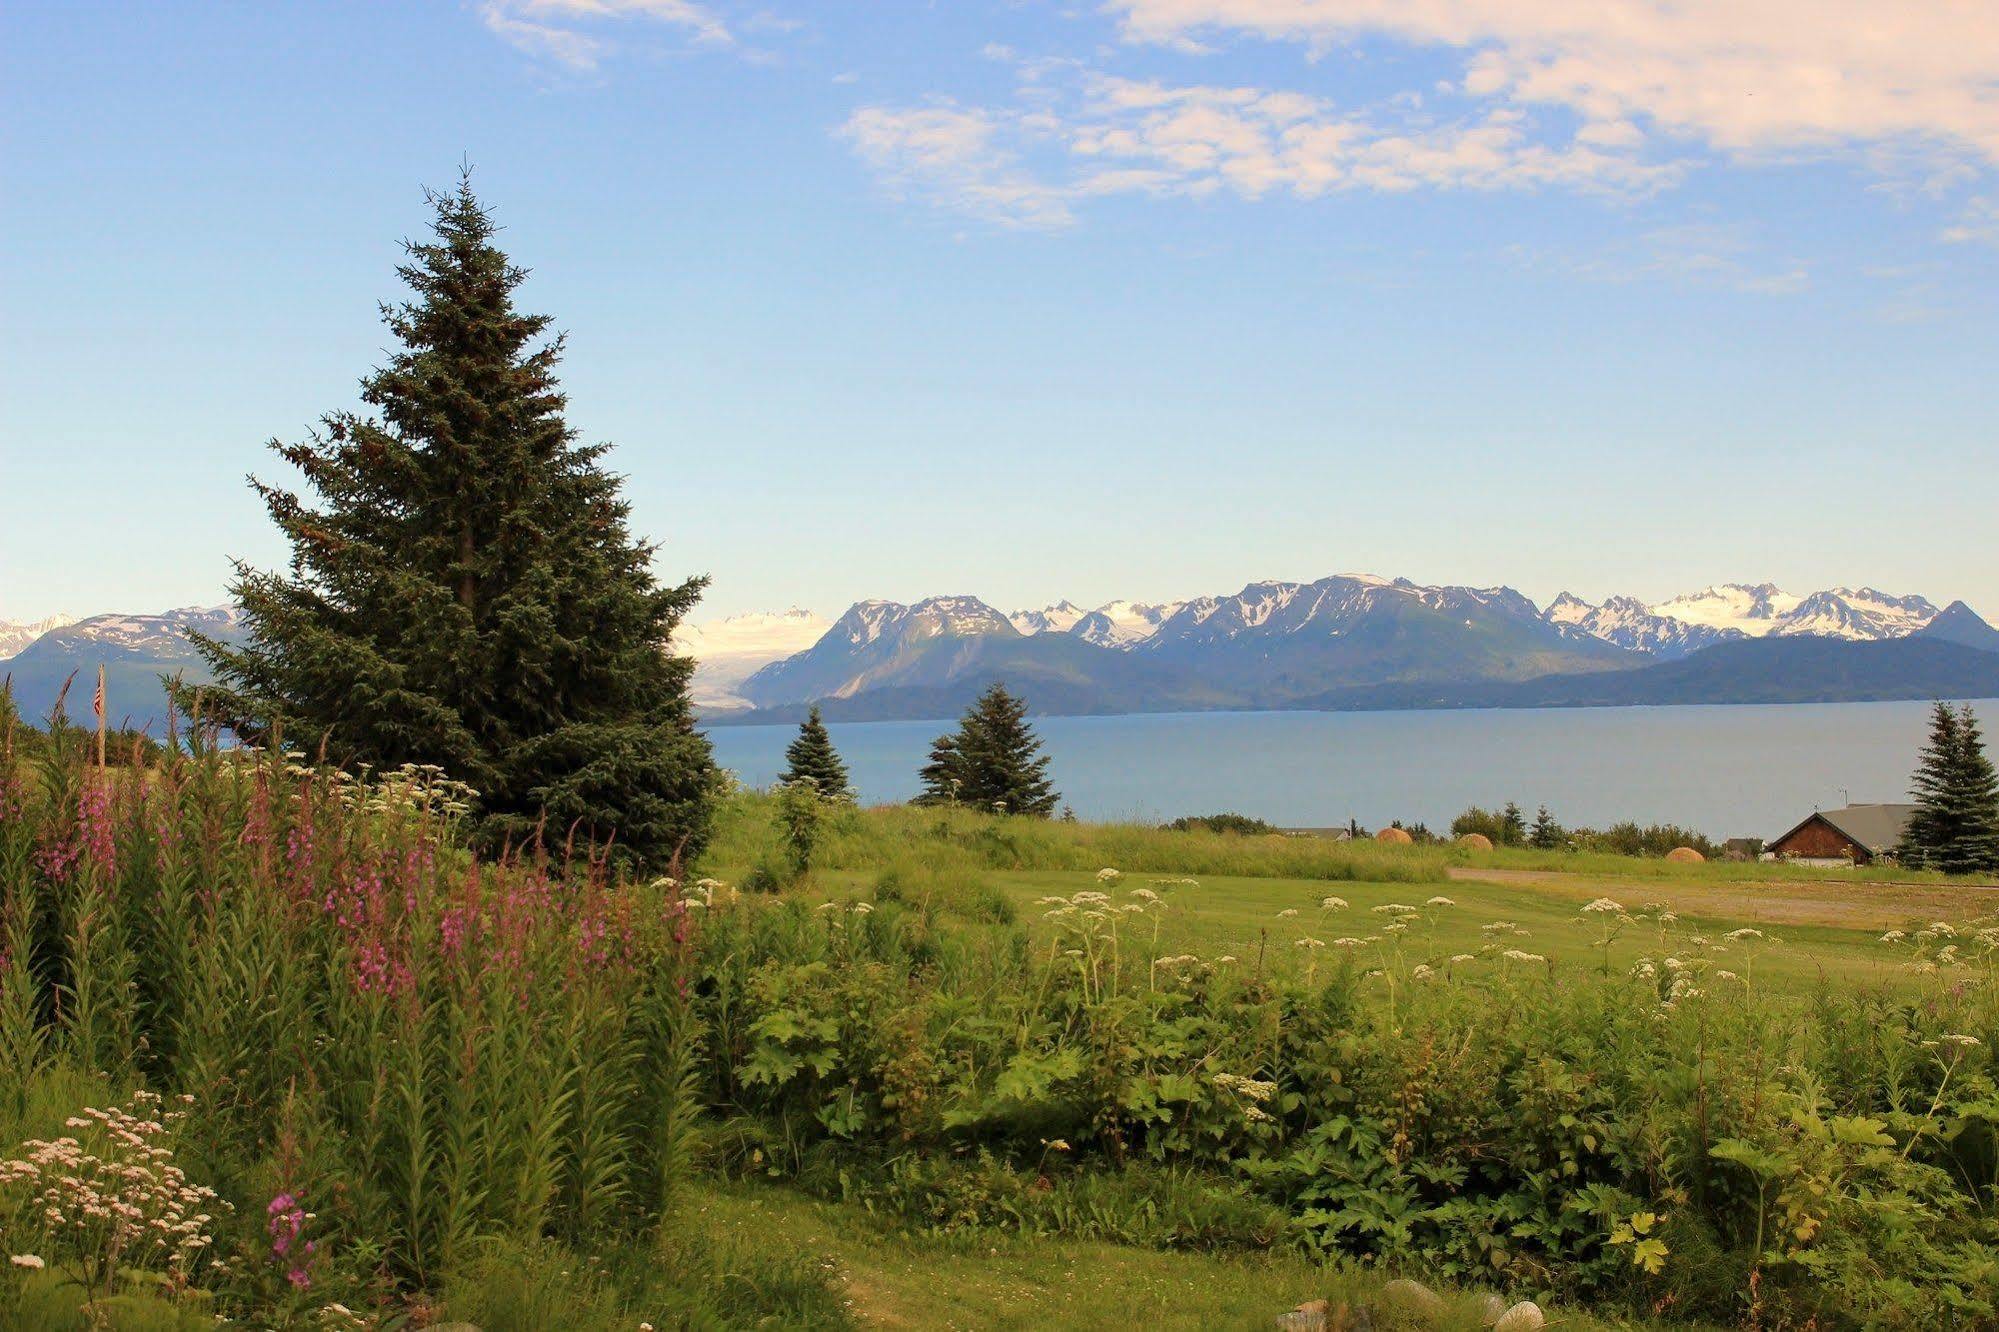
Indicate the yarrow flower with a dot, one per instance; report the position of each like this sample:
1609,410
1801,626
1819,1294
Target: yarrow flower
1604,906
31,1261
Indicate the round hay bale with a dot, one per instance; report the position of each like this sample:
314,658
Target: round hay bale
1685,855
1475,842
1394,837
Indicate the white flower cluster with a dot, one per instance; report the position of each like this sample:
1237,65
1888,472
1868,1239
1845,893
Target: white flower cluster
105,1200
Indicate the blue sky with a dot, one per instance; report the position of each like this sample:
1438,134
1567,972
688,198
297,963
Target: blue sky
1146,298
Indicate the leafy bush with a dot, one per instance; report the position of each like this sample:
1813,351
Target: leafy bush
1242,825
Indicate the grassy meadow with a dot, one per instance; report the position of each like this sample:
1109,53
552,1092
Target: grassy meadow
276,1050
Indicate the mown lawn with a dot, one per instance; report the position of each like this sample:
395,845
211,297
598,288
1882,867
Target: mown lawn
893,1279
1820,931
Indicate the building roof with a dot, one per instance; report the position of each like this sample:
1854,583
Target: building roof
1876,827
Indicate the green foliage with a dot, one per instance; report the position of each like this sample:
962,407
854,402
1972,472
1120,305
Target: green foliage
466,592
1955,826
421,1050
1546,834
1241,825
1640,1144
994,762
801,813
812,758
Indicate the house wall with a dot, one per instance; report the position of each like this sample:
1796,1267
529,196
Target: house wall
1819,840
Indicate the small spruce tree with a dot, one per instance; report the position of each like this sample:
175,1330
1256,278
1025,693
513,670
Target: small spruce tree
943,775
1546,835
994,762
1955,825
812,758
464,588
1512,825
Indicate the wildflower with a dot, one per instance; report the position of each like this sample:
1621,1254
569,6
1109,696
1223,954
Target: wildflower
1225,960
31,1261
1309,943
1962,1041
1333,904
1440,901
1287,913
1746,932
1463,957
1145,894
1394,909
1603,906
1421,971
1055,1144
1893,937
1109,875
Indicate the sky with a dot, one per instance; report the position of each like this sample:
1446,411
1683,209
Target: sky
1120,298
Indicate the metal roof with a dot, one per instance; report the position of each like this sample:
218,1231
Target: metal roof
1876,827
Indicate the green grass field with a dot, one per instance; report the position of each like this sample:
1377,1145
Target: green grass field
1257,899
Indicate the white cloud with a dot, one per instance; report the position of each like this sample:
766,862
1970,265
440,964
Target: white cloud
1747,77
1085,136
565,30
1978,224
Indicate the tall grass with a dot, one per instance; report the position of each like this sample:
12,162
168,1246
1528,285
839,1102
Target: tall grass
427,1052
869,839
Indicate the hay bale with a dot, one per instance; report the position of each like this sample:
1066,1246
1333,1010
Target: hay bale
1685,855
1393,837
1475,842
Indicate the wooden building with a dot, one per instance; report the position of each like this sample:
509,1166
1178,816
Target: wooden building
1857,835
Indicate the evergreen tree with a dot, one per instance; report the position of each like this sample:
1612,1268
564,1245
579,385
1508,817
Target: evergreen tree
811,757
1512,825
467,591
1003,766
1546,835
993,762
1955,825
943,775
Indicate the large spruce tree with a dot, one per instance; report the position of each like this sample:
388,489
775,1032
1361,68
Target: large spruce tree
994,762
811,757
1955,826
464,588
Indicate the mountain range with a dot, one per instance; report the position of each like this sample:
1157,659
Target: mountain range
135,651
1358,640
1347,641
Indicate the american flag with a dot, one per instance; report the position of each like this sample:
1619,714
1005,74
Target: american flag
97,699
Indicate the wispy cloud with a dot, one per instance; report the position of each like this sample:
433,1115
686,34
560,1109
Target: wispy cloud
570,32
1746,79
1070,135
1697,254
1978,224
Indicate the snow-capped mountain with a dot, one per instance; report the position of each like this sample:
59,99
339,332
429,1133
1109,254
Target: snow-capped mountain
16,635
1859,615
727,652
1057,619
1122,624
1753,611
1631,624
1271,642
136,651
1672,629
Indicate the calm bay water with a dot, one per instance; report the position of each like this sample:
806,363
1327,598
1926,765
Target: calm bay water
1726,771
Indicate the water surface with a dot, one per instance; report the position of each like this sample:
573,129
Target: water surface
1725,771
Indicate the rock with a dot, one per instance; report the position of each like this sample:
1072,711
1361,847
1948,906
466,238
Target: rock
1405,1296
1522,1317
1490,1310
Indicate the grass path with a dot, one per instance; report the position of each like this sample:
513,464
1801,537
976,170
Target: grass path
993,1281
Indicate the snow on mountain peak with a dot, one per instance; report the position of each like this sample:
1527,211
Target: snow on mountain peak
16,635
1059,618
